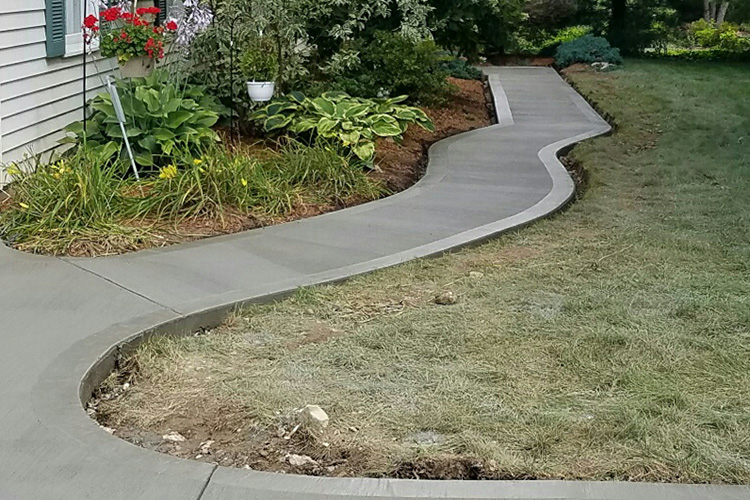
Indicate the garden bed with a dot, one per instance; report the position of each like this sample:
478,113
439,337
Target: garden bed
398,166
609,343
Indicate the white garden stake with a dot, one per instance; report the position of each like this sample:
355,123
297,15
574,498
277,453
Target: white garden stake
120,114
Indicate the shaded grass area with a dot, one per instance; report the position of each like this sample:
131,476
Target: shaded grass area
610,342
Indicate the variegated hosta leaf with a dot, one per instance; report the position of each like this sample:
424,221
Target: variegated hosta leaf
365,151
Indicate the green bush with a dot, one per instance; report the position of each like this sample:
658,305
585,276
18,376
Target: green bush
349,122
259,62
549,46
472,27
461,69
727,37
587,49
213,64
161,117
394,65
715,55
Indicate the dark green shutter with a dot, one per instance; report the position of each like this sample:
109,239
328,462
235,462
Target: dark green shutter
162,17
55,14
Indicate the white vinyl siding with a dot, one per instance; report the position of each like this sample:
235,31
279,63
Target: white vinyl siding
38,95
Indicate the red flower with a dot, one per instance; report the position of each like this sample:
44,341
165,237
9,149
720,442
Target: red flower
111,14
127,16
171,26
154,10
90,21
123,35
141,11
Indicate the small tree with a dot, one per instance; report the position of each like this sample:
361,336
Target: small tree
472,26
715,12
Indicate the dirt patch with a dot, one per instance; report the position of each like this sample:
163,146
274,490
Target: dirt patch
398,168
228,436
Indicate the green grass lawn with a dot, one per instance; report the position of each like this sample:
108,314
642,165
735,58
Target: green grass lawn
609,342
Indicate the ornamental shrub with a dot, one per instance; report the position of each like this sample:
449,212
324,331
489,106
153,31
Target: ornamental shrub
587,49
393,65
461,69
549,46
473,27
713,55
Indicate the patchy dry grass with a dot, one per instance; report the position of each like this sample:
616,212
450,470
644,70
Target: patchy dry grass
611,342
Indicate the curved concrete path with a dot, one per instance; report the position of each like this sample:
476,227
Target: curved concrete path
58,317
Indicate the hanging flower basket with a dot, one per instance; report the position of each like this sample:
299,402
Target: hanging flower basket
131,37
260,66
137,67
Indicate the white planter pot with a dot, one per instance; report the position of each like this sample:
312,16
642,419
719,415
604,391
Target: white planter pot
261,91
137,67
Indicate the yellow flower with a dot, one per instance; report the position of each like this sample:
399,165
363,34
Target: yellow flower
197,162
244,182
13,170
168,172
24,206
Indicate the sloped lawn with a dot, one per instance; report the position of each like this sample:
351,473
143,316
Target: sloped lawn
610,342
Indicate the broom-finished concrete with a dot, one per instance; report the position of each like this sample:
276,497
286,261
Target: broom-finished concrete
62,321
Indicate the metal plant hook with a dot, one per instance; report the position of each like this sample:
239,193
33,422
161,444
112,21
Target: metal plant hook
221,15
85,72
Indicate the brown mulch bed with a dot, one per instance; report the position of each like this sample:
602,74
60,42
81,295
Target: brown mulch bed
399,167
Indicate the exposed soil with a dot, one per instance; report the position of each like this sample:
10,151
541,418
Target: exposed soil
398,168
222,434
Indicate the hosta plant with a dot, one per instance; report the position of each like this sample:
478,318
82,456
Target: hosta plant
161,117
350,122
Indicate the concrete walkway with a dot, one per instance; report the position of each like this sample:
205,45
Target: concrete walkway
61,320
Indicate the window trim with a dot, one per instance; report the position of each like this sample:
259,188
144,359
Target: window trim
74,45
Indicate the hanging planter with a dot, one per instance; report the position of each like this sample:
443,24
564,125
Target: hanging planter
131,37
137,67
261,91
260,65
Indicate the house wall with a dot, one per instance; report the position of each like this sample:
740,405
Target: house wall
38,96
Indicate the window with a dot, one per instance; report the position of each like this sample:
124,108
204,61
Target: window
74,14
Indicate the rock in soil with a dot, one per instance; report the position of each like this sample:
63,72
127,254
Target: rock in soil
314,418
300,460
447,298
174,437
